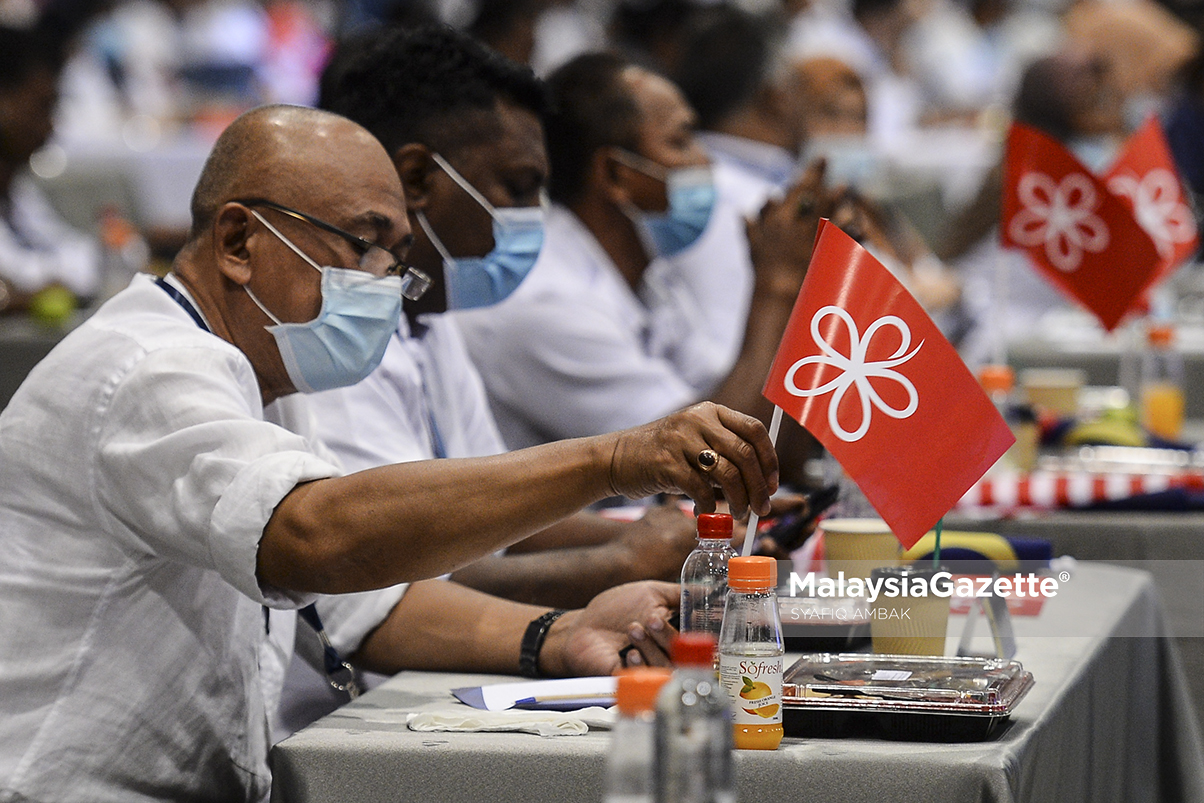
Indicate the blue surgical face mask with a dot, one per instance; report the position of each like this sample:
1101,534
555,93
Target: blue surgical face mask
691,194
347,340
517,238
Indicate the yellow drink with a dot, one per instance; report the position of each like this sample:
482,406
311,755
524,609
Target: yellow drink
1162,409
757,737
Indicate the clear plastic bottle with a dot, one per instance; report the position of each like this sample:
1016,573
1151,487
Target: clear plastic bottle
750,653
1162,399
999,382
630,766
694,728
704,576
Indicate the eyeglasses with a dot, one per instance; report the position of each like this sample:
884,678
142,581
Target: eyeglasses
374,259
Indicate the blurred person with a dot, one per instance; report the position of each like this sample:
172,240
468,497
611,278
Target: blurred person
148,68
968,56
38,250
754,108
508,26
870,35
152,511
832,94
577,348
1143,45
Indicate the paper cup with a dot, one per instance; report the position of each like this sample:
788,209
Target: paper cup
1053,389
910,625
858,546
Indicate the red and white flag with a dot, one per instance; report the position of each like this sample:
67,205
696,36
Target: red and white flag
1144,176
1079,235
867,372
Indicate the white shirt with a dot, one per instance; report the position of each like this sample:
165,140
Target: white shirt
425,391
568,354
700,298
37,248
424,385
136,477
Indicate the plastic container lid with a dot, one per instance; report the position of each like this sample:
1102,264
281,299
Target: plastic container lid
715,525
997,378
1161,334
637,688
693,649
753,573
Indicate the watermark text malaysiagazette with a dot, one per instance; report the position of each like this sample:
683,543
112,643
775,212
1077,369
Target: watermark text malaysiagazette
940,584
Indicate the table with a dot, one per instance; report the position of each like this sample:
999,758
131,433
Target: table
23,344
1168,544
1106,721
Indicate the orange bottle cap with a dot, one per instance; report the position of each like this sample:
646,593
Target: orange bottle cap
715,525
997,378
693,649
1160,334
638,688
753,573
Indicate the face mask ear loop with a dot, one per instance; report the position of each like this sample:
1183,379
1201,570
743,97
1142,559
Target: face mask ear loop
464,185
259,304
430,235
641,164
287,242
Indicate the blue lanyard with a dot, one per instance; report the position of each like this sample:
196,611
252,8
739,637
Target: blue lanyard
339,673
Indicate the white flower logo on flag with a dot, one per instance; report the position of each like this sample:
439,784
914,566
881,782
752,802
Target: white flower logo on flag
1059,216
857,372
1157,207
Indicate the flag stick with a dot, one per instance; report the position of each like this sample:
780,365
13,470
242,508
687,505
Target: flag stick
998,308
936,549
775,423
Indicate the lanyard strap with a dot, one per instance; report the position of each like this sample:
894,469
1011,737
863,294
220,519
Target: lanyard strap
339,673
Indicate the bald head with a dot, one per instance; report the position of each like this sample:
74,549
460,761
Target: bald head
833,96
289,154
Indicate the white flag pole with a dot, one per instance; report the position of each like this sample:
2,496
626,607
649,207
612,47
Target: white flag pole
775,424
999,307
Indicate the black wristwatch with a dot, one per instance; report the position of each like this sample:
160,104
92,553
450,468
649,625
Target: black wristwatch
537,631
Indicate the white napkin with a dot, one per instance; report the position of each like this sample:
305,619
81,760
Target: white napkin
544,723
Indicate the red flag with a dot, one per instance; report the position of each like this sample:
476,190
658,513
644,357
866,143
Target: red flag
1145,178
1083,238
866,371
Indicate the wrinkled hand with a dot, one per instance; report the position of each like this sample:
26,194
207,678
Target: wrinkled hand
663,457
587,641
656,546
780,239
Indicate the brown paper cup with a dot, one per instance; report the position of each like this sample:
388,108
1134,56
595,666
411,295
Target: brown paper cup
909,625
858,546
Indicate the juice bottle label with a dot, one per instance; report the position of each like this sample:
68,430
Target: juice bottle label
754,685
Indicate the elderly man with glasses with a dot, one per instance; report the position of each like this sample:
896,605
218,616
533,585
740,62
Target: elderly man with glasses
151,511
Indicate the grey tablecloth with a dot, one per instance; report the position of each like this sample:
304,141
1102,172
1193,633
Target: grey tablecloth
1108,720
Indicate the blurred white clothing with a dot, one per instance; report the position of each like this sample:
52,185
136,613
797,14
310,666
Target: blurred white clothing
38,248
574,351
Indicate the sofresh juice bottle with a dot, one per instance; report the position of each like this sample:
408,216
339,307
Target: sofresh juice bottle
751,651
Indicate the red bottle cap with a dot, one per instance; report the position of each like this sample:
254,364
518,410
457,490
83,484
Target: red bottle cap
715,525
693,649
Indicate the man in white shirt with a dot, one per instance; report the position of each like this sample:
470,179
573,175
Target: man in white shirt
149,511
578,349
